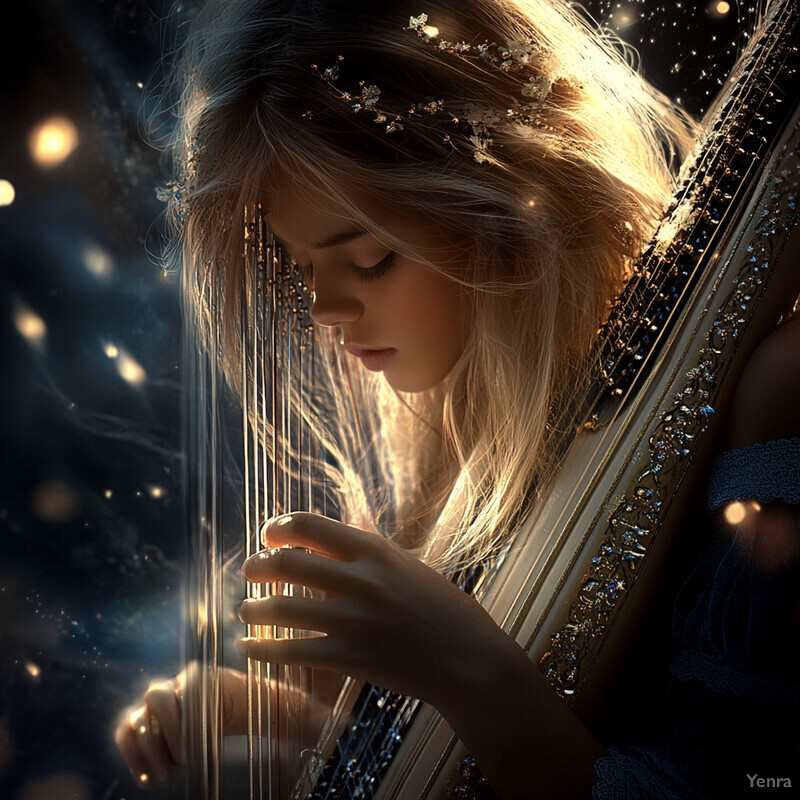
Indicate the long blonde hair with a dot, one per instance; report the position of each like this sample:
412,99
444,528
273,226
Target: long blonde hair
551,224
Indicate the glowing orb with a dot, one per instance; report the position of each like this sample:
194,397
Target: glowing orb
624,16
130,370
33,669
97,261
29,324
53,501
431,30
735,513
723,7
7,193
52,141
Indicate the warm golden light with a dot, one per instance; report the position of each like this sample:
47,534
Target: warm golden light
431,30
156,491
735,513
624,16
53,501
7,193
130,370
108,494
723,7
29,324
52,141
97,261
33,669
111,350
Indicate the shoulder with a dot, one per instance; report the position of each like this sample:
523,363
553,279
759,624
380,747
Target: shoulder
767,397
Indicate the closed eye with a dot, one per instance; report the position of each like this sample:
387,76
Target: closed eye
376,271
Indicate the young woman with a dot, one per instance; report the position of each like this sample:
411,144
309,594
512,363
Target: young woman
466,190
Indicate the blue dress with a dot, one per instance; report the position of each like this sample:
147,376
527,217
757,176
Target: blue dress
735,680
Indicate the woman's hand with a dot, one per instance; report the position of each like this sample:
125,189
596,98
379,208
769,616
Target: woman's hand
151,737
385,618
390,620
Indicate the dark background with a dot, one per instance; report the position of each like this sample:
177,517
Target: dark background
91,541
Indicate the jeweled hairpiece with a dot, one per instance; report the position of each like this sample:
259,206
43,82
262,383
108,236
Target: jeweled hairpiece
534,64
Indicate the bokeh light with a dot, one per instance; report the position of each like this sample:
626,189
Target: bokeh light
130,369
625,15
98,262
33,669
735,513
29,324
7,192
54,501
52,141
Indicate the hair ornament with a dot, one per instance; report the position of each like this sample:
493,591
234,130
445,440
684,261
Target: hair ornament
523,57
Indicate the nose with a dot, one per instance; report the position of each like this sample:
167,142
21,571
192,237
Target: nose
333,303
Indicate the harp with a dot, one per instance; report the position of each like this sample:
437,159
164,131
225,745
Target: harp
718,274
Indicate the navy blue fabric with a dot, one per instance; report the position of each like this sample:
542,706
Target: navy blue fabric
736,674
767,471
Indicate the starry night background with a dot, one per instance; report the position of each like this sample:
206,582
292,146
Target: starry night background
91,548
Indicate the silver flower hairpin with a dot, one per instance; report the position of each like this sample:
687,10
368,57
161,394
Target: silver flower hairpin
535,66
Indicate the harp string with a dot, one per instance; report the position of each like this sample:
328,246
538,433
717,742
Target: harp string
280,452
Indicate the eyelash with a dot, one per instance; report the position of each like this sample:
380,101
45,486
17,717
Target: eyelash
366,274
376,271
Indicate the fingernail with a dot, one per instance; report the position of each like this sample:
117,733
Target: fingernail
282,519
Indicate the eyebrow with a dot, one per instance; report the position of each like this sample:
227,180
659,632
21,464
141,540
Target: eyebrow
332,241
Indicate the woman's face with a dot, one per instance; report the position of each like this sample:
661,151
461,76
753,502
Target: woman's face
395,314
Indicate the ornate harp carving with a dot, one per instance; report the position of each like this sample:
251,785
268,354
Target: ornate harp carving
715,277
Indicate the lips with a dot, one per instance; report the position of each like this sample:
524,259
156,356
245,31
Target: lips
374,359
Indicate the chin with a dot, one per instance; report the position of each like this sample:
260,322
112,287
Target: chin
414,384
409,384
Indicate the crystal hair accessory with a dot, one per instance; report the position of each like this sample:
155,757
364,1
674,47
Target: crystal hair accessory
536,67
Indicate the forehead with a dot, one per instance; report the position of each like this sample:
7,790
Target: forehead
306,216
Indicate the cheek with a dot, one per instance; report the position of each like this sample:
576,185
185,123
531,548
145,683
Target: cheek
434,314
